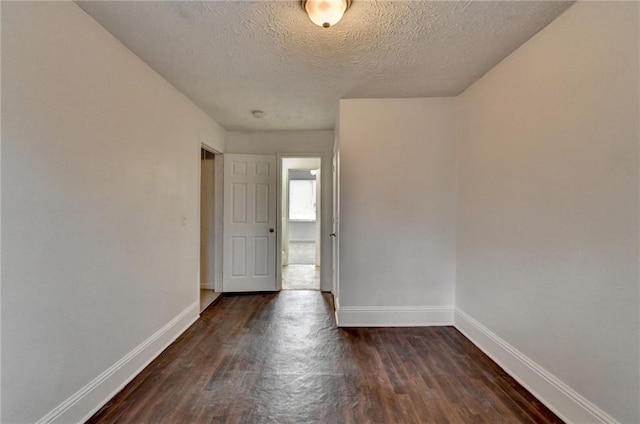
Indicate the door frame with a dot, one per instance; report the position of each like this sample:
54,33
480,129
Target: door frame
335,226
217,215
323,204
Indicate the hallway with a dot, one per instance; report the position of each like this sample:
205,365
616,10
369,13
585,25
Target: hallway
279,358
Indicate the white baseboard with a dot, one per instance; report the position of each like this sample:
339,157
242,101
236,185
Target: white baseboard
394,316
565,402
89,399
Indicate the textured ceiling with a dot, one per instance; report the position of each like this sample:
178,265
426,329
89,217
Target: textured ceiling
231,57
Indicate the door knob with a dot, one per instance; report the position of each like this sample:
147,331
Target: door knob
272,230
332,235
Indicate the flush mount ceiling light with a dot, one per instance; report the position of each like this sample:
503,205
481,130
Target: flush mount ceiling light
325,13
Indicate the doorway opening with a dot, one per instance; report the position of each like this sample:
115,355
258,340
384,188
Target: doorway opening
300,223
210,226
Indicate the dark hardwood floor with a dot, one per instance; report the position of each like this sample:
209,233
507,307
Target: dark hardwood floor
279,358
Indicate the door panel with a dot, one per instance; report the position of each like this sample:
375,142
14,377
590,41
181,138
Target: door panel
261,245
239,256
262,204
239,204
250,214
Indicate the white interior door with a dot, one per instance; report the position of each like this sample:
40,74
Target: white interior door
249,262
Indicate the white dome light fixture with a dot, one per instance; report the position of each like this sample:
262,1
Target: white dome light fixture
325,13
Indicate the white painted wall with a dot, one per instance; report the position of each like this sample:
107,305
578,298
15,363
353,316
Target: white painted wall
548,204
99,211
302,231
292,143
397,209
273,142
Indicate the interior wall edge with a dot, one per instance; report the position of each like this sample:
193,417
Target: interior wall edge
565,402
80,406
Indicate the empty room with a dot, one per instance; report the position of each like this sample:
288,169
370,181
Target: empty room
320,211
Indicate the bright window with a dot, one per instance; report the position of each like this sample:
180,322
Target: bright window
302,200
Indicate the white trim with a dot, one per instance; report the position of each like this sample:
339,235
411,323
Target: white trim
89,399
565,402
394,316
0,252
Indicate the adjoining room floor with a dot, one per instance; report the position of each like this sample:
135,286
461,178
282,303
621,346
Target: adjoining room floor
279,358
300,277
302,253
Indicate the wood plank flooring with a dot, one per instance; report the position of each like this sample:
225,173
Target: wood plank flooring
279,358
